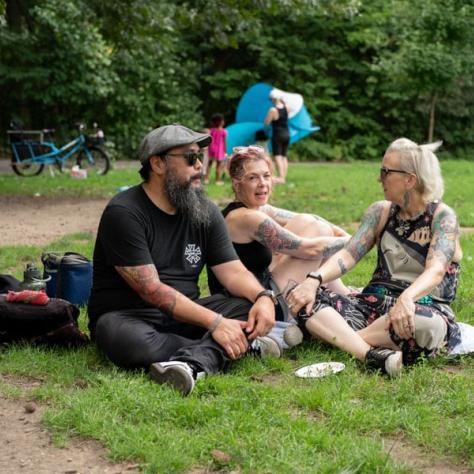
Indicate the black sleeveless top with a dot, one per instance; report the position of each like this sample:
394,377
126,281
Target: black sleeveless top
280,126
402,251
253,255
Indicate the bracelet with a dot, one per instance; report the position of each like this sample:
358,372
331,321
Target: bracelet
316,276
215,323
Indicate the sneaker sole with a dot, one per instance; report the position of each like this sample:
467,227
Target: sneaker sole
394,364
176,377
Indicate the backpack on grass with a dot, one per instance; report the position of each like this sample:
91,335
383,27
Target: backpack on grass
70,276
54,323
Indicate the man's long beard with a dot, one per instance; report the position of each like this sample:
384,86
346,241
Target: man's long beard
189,201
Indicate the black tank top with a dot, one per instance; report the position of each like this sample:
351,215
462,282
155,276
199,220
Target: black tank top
255,256
280,126
402,250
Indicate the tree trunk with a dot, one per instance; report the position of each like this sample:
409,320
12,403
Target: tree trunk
15,12
434,100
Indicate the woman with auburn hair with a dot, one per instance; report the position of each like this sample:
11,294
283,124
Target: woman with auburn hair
279,246
404,312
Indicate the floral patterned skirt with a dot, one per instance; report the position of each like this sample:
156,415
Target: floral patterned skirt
361,309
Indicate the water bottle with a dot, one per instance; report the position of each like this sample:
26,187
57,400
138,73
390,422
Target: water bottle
32,279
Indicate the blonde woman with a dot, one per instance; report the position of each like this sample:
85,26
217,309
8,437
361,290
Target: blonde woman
404,312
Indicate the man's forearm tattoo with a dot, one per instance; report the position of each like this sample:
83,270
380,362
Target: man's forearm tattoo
445,234
331,249
275,237
363,240
145,281
342,267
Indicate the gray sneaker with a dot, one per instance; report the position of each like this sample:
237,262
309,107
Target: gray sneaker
265,346
177,374
293,335
390,362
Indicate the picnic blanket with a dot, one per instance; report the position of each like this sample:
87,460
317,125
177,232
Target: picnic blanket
466,346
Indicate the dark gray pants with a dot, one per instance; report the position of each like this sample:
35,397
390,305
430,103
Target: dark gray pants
137,338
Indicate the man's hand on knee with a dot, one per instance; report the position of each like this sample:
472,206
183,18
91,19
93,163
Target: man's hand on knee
230,335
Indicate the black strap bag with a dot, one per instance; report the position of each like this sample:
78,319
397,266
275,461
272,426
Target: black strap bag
54,323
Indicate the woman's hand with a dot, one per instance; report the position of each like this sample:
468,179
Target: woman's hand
303,296
402,317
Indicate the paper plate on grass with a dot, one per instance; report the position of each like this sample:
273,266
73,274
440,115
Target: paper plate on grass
319,370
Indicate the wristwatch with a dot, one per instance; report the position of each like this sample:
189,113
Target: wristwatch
270,294
316,276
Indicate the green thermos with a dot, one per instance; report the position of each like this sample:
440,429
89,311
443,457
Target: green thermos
32,279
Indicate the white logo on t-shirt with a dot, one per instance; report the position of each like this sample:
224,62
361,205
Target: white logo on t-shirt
192,253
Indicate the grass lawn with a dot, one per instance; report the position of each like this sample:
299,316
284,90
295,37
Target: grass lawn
260,416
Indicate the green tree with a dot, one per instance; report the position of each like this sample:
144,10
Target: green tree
434,57
54,64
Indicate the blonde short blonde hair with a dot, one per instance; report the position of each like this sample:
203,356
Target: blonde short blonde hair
423,163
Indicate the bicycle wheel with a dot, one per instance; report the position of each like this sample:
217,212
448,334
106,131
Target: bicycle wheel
101,162
28,169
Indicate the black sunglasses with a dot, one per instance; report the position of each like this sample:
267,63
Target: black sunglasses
190,156
384,172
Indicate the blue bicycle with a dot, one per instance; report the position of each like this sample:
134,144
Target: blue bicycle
31,152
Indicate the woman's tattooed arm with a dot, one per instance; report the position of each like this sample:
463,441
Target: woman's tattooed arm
145,281
364,239
445,234
331,249
273,236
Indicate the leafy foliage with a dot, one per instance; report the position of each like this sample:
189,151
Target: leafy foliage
369,71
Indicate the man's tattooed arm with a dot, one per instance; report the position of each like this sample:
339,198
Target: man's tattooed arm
445,234
364,239
276,238
145,281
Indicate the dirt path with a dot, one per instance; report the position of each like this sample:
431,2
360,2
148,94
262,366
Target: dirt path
25,446
40,220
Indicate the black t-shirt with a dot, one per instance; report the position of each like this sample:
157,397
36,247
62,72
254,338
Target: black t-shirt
133,231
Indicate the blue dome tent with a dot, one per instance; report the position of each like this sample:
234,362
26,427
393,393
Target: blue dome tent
252,110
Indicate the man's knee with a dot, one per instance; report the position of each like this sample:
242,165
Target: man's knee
229,306
430,332
123,341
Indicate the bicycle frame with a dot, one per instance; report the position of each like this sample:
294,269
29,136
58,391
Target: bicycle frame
55,156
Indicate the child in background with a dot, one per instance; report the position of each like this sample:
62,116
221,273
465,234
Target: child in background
217,148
